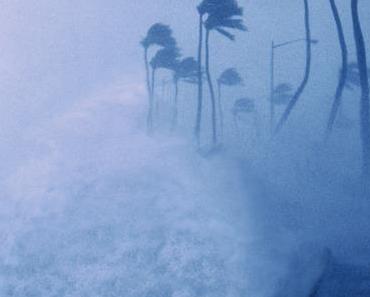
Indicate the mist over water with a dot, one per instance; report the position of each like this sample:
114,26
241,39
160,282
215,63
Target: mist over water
103,209
93,206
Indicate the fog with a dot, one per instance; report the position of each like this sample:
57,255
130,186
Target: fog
94,205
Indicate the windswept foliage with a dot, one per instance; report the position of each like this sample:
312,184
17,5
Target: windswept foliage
184,70
243,105
159,34
282,94
166,58
223,16
230,77
187,70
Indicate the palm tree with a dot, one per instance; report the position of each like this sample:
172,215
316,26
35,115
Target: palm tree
230,77
161,35
205,7
303,84
165,58
198,119
282,94
186,70
221,16
364,82
343,72
243,105
352,83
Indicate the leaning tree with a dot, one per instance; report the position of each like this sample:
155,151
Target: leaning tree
185,70
364,82
306,76
165,58
230,77
343,71
222,15
160,35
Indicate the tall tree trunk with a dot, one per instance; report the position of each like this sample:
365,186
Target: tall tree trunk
149,120
198,120
151,106
175,106
365,106
221,112
343,73
303,84
212,92
272,89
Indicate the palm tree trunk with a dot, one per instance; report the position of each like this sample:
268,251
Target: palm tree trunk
149,120
221,112
212,92
151,106
365,105
303,84
272,89
200,84
175,107
343,73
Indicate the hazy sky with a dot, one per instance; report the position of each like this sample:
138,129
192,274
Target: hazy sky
52,52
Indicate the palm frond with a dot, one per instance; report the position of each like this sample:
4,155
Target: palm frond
224,15
186,68
166,58
226,34
243,105
159,34
230,77
282,94
283,88
231,23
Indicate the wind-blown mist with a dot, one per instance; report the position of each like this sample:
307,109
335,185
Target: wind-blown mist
102,209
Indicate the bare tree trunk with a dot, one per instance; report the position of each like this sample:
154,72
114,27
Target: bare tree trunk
303,84
343,73
212,92
365,106
198,120
149,120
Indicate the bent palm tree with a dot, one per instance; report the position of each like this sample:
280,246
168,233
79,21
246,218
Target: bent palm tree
304,82
165,58
243,105
365,104
282,94
221,16
230,77
343,72
198,119
187,71
161,35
